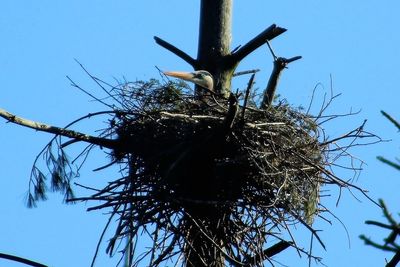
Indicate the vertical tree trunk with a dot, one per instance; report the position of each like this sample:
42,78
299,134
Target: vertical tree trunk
213,47
214,41
201,251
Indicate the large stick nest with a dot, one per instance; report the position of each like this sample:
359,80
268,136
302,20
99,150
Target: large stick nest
237,175
181,151
193,160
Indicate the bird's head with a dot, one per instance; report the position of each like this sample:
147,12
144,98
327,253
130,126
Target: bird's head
200,77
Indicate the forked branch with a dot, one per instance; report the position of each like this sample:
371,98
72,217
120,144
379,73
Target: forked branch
280,64
268,34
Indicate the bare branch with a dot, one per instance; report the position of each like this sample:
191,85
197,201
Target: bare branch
394,261
280,64
268,34
21,260
103,142
391,119
389,162
193,62
248,89
269,252
231,114
245,72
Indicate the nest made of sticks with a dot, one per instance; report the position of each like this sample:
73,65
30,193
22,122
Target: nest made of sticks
181,148
185,159
235,173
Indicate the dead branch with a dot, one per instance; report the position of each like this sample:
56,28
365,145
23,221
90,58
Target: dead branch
42,127
246,97
391,119
193,62
269,252
268,34
239,73
21,260
231,114
395,260
280,64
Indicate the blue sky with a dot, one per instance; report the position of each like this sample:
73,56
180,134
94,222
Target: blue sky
355,42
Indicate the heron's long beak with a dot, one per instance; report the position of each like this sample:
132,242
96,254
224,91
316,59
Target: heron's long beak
180,74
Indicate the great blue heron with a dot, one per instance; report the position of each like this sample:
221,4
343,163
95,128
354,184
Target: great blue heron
200,77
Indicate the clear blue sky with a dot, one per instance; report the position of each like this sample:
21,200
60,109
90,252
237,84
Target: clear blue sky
357,42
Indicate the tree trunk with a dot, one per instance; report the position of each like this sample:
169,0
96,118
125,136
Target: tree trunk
200,250
214,42
213,49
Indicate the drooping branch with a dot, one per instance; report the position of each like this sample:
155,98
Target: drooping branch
21,260
103,142
268,34
280,64
193,62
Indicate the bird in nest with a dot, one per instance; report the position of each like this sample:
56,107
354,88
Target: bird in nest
200,77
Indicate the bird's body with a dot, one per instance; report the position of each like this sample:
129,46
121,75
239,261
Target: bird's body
200,77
